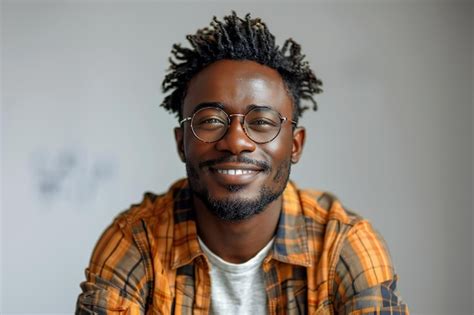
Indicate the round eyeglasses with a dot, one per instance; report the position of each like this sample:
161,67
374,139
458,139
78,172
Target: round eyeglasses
260,124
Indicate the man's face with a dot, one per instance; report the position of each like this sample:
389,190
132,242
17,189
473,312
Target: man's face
235,177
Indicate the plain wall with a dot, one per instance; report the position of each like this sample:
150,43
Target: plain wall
83,137
472,91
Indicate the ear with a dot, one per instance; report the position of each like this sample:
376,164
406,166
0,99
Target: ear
299,135
179,136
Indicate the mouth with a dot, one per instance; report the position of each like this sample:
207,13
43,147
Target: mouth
234,174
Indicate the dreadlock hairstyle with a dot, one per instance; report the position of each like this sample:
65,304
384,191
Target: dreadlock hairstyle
239,39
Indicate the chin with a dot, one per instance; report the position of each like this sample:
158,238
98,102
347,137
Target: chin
236,207
219,192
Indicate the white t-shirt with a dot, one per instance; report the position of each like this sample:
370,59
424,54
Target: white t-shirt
237,288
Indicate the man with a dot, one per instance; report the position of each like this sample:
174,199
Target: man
237,237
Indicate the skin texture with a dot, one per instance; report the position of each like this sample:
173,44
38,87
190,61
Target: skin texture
236,85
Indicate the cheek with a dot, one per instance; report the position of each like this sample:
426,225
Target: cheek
280,148
189,143
194,149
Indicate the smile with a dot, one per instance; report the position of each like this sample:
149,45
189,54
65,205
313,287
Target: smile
235,172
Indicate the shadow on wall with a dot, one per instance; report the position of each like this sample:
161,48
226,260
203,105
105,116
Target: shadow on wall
70,174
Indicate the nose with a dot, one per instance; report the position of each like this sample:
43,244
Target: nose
236,140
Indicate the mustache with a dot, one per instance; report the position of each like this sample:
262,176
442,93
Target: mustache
265,166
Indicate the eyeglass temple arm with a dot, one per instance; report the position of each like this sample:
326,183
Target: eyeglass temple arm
184,120
286,119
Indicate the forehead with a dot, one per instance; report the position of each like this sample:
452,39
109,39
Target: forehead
237,84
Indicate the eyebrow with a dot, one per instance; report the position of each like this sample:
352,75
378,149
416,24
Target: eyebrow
208,104
253,106
222,106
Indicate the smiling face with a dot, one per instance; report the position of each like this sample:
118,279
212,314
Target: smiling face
234,177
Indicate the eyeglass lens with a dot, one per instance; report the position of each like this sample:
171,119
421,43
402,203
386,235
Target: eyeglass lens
261,124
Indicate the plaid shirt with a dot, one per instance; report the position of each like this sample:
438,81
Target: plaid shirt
325,260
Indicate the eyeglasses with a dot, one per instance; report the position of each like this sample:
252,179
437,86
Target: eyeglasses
261,124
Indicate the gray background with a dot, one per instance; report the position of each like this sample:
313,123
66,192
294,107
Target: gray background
83,137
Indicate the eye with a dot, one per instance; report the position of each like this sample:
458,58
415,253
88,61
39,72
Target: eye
211,120
209,123
260,123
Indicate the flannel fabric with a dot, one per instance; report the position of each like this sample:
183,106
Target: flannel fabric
325,260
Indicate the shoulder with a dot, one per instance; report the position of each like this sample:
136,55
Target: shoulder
136,232
128,227
121,268
353,254
325,208
349,238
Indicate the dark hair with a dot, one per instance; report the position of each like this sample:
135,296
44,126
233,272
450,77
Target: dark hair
239,39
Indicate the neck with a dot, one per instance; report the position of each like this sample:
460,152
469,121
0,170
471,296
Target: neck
238,241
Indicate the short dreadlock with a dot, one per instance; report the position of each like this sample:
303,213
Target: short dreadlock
239,39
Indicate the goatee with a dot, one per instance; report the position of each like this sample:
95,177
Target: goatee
237,208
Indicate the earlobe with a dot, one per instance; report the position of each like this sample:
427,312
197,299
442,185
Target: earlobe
299,135
178,135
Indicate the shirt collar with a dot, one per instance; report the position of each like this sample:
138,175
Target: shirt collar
185,242
291,241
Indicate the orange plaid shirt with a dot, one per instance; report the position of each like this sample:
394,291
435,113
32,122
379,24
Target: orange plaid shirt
325,260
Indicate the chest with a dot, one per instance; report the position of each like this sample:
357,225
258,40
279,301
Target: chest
287,289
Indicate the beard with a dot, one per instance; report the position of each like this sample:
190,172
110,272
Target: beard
235,208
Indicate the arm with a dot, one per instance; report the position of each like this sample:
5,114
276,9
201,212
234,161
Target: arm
365,282
115,278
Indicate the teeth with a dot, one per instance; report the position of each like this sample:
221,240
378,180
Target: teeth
235,172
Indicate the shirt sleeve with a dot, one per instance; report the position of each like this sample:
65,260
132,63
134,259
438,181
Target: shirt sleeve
116,277
365,281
